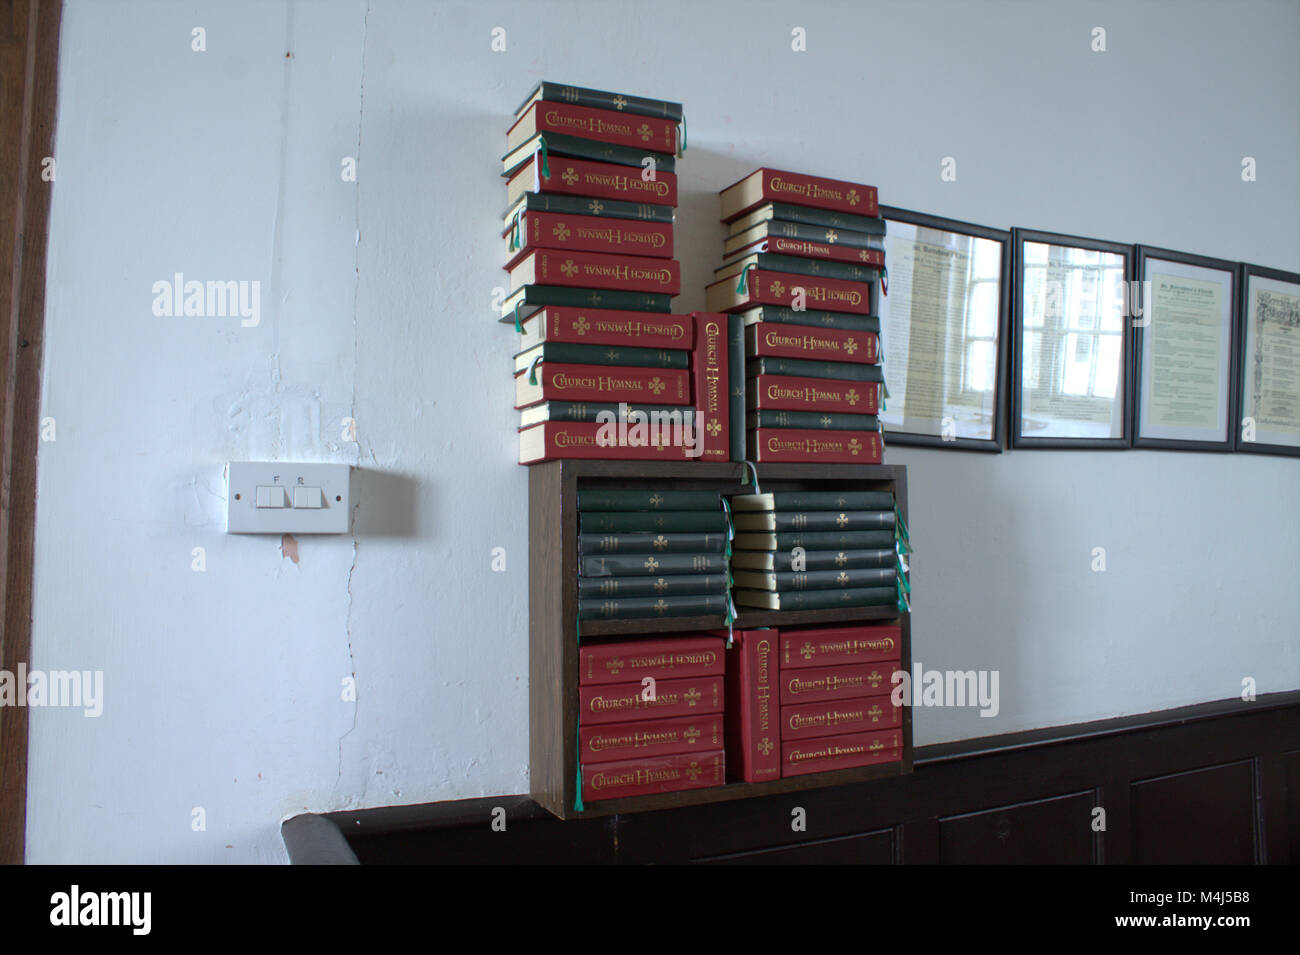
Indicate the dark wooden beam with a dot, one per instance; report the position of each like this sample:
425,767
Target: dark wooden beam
29,54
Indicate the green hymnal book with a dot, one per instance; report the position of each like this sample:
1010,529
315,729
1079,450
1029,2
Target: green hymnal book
779,521
816,599
652,543
814,501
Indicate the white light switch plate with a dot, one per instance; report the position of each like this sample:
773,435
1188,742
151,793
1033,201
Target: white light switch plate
279,481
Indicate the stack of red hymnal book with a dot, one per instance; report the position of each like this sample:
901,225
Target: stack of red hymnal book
604,368
801,269
651,716
812,699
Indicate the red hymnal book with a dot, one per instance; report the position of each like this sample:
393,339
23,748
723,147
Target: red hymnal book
788,393
753,736
557,230
810,250
604,383
807,341
710,386
623,702
607,742
658,774
598,180
840,752
773,185
806,444
603,125
607,326
816,684
765,287
627,273
862,715
830,646
675,658
553,440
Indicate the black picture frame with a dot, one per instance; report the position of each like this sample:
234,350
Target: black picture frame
996,443
1019,236
1246,272
1140,256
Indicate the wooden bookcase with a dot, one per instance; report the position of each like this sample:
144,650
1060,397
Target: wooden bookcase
553,617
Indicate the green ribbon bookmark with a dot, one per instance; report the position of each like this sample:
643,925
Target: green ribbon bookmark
884,281
903,605
518,327
546,165
515,244
900,525
577,792
681,136
740,286
532,370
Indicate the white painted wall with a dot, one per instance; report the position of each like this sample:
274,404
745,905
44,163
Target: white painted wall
223,687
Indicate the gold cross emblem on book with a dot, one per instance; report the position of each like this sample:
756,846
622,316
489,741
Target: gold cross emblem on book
651,564
765,746
807,651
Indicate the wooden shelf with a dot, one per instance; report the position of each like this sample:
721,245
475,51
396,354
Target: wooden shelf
554,626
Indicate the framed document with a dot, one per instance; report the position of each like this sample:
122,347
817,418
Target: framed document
942,324
1184,343
1268,418
1071,343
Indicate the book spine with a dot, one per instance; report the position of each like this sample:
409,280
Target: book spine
792,393
841,578
607,126
544,295
616,356
833,646
583,440
804,341
848,681
652,543
837,238
621,702
736,386
813,560
873,258
599,99
651,565
599,383
865,715
709,374
558,144
819,599
802,368
648,499
630,661
660,774
796,290
544,230
811,419
590,270
800,757
647,739
834,501
828,218
588,206
673,586
803,265
818,520
664,522
860,540
795,444
591,412
595,326
804,190
598,180
788,316
653,608
753,736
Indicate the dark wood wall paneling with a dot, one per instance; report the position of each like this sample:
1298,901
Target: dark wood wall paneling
1216,783
29,53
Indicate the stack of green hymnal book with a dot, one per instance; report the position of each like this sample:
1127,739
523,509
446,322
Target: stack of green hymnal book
813,550
650,552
